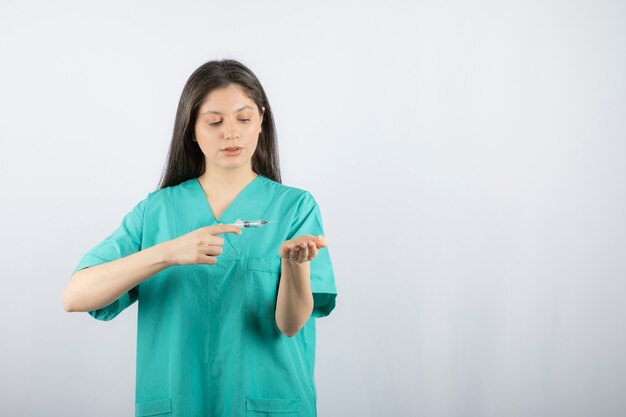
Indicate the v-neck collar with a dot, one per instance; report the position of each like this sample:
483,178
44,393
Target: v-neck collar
228,209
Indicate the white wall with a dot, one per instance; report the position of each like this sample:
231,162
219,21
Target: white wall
468,158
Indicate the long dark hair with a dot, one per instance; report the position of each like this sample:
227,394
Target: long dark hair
185,159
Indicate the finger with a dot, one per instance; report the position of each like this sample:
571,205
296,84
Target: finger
211,260
321,242
213,250
293,255
312,251
225,228
304,253
215,241
284,251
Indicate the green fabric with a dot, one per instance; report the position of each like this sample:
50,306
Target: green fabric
207,340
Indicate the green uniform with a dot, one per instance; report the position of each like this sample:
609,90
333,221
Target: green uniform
207,340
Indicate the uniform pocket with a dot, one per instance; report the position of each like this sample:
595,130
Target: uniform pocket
272,407
262,276
161,408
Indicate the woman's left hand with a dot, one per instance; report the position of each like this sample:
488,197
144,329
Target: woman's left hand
302,249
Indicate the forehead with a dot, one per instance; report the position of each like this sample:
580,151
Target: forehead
226,99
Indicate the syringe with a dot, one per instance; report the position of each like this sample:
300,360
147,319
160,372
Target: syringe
252,223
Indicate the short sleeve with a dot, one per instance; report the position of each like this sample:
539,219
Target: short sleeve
124,241
308,220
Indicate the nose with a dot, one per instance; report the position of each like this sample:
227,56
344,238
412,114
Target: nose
229,131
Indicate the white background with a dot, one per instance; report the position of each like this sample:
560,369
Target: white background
468,159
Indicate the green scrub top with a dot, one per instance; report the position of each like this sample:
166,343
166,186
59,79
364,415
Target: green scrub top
207,339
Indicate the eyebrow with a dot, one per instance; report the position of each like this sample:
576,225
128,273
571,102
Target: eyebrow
236,111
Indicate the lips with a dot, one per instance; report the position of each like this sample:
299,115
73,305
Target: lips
232,148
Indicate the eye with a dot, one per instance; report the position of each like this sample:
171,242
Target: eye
217,123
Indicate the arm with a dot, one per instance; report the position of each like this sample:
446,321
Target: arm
294,304
98,286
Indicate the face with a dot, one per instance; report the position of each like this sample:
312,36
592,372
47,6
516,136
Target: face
228,118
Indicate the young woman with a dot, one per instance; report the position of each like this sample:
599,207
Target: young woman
225,324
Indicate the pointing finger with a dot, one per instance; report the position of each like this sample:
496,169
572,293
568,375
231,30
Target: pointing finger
226,228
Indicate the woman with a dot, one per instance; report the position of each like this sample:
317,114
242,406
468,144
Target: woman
225,324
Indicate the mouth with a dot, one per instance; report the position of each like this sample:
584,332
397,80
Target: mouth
232,148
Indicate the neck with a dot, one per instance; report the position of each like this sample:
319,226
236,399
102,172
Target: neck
220,181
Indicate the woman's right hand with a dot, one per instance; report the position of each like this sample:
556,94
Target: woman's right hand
201,246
